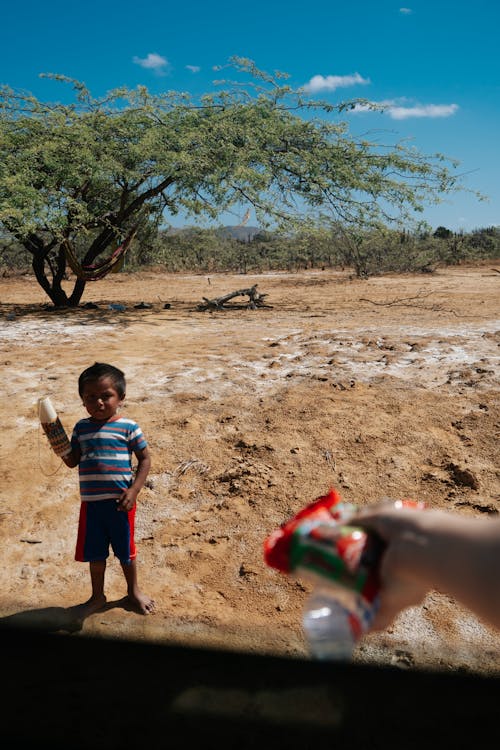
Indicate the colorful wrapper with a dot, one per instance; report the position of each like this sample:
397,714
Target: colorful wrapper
57,436
319,543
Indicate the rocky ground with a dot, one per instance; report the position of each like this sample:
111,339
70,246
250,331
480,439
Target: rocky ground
385,387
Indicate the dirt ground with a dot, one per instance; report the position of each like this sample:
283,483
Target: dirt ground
386,387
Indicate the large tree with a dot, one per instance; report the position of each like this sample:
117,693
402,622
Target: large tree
76,179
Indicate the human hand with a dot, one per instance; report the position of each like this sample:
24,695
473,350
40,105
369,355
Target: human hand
403,530
127,500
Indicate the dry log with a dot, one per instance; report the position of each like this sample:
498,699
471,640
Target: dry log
255,300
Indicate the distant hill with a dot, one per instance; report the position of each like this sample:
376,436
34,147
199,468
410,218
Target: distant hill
244,234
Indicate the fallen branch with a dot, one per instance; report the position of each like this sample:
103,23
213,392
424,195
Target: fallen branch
410,302
255,300
398,302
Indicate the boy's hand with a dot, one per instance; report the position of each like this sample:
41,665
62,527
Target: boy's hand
127,500
72,459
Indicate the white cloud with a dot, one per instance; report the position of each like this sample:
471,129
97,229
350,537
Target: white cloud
331,83
406,11
370,106
193,68
398,112
153,62
427,110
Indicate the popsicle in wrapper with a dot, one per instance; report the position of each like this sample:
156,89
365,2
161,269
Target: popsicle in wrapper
53,428
343,561
320,543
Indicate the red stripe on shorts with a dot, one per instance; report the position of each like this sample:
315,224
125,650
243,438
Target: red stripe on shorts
82,530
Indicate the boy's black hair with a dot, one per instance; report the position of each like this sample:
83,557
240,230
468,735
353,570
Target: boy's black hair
102,370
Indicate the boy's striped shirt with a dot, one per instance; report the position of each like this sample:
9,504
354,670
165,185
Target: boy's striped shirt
105,468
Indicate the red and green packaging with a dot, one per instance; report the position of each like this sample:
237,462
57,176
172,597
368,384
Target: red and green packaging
319,543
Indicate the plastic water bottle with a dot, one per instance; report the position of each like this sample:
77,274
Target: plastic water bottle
333,621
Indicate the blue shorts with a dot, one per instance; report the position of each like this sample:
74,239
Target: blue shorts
101,524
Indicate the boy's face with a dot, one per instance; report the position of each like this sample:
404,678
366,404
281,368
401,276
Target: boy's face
101,398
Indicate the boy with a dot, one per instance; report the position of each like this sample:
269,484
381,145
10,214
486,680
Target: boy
102,447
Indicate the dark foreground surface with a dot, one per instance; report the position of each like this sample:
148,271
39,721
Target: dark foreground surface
72,691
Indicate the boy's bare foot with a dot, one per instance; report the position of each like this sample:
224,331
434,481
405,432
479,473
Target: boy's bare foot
94,604
142,603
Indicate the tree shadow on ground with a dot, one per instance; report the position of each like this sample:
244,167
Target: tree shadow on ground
58,619
102,314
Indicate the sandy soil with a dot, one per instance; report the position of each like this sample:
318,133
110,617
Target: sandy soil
386,387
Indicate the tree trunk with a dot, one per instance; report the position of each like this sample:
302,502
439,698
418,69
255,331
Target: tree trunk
77,293
54,288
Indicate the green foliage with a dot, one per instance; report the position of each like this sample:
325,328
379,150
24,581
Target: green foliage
200,250
367,253
443,233
14,258
484,243
85,173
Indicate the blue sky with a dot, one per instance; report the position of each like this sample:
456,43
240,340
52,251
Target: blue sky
434,63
